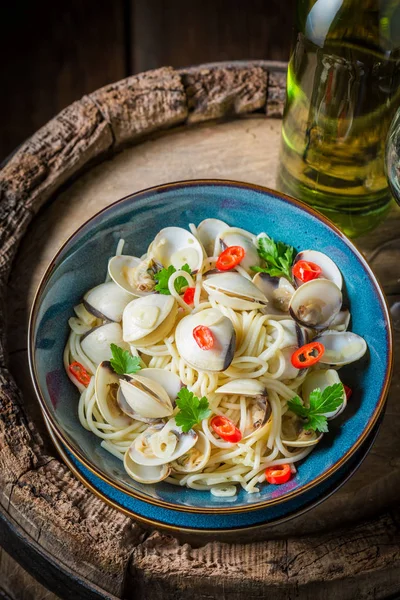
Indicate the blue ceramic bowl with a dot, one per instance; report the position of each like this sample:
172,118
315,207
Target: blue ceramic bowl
82,263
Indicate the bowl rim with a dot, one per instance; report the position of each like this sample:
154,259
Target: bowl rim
173,529
216,183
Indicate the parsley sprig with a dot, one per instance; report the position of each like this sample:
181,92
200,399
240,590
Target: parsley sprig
123,362
192,409
278,257
320,403
163,276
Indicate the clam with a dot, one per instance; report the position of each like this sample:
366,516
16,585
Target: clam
289,372
209,231
147,398
132,274
157,446
145,474
322,378
169,381
242,387
196,458
293,334
235,291
316,303
341,347
341,321
220,356
240,237
106,390
176,246
96,342
329,269
293,433
106,301
277,290
148,320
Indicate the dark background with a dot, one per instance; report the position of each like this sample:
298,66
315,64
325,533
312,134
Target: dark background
53,52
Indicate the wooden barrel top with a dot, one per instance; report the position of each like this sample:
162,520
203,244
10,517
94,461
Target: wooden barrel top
212,121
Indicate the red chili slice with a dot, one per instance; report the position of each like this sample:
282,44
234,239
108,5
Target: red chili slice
307,355
230,258
306,271
348,391
188,296
80,373
278,474
204,337
226,429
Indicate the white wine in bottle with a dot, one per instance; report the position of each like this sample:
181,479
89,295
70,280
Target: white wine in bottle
343,90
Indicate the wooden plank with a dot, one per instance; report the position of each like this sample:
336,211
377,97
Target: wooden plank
171,33
18,584
52,57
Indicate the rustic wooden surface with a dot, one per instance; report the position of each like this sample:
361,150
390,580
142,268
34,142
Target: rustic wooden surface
347,547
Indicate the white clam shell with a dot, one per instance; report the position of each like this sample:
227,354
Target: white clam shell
196,458
277,290
329,269
106,386
220,356
289,372
118,267
234,290
168,380
293,435
242,387
146,397
293,334
175,246
145,474
316,303
106,301
341,321
209,231
96,342
148,320
322,378
140,453
239,237
341,347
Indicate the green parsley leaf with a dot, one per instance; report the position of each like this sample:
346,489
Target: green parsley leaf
123,362
163,276
192,409
320,403
278,257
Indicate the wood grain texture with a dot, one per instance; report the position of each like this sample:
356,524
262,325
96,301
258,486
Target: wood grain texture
18,584
57,514
53,55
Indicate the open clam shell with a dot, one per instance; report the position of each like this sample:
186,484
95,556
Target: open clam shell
145,474
235,291
329,269
341,347
294,435
96,342
293,334
239,237
146,397
168,380
148,320
133,275
242,387
196,458
316,303
170,441
106,301
341,321
322,378
220,356
277,290
289,371
106,390
209,231
258,411
175,246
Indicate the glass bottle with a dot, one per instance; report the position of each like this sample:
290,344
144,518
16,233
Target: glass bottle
343,88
